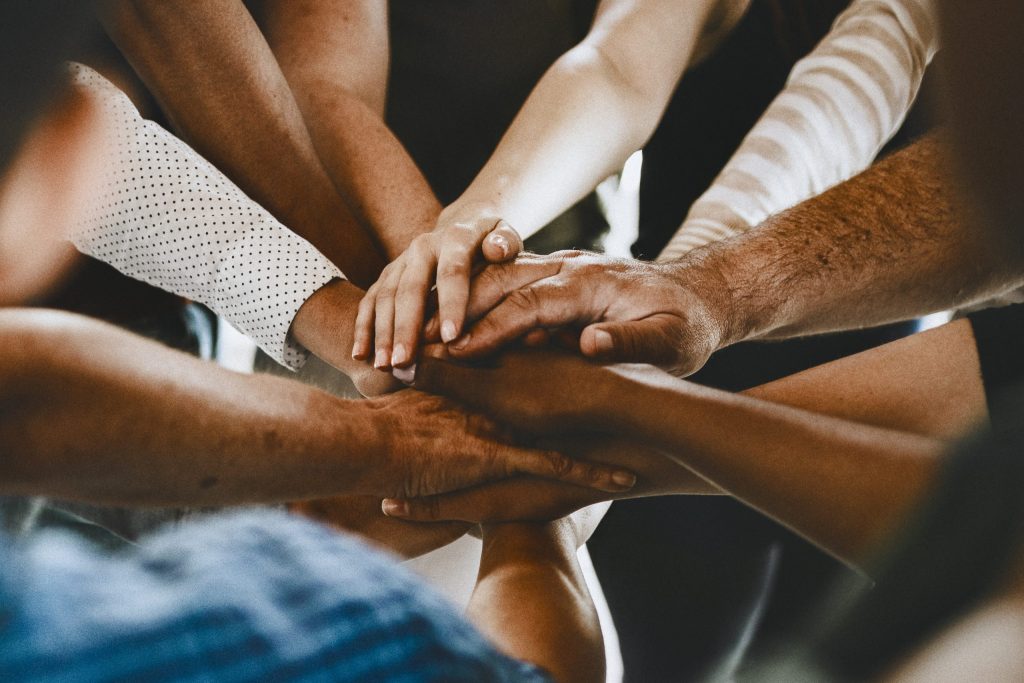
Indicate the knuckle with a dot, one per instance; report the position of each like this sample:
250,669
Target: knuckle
526,298
561,465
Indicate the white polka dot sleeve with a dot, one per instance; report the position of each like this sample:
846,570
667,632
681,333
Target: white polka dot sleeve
170,218
840,106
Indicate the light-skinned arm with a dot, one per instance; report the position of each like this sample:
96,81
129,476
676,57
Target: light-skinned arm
597,104
837,453
93,413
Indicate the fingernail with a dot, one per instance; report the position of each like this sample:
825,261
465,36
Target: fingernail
381,359
501,243
394,508
405,375
355,351
460,343
624,479
399,355
448,331
603,341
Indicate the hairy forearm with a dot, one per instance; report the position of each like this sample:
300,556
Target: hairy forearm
104,416
240,115
841,484
532,601
891,244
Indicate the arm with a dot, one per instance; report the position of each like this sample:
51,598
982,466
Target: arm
843,484
167,216
96,414
890,244
596,105
240,115
334,54
927,384
842,103
532,602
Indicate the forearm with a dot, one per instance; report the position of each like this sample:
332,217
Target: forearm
532,601
335,57
595,106
241,115
842,485
891,244
928,383
103,416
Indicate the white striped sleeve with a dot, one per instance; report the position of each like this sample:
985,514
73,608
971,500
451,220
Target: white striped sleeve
841,104
168,217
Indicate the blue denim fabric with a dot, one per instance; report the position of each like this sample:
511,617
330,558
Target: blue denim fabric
250,596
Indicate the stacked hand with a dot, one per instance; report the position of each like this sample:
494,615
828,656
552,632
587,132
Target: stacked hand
392,313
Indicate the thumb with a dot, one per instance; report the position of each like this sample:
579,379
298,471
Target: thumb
502,243
657,340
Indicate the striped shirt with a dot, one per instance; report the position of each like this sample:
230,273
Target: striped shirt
253,596
840,106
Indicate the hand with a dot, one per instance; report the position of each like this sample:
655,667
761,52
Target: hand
629,310
528,499
362,515
429,445
391,314
540,391
324,325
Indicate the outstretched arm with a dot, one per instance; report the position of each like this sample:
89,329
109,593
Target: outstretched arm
843,480
334,54
596,105
214,74
893,243
93,413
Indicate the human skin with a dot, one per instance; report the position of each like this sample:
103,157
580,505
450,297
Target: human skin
96,414
532,601
597,104
837,453
890,244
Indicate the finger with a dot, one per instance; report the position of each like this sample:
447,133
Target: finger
503,243
547,303
384,321
410,304
507,501
657,340
466,385
496,282
454,265
560,467
363,333
536,338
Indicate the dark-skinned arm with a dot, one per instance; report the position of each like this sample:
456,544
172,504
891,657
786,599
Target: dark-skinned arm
842,481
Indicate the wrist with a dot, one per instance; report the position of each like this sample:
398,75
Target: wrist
716,299
325,324
549,543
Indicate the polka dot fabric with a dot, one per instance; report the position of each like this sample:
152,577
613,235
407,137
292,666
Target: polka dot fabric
170,218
